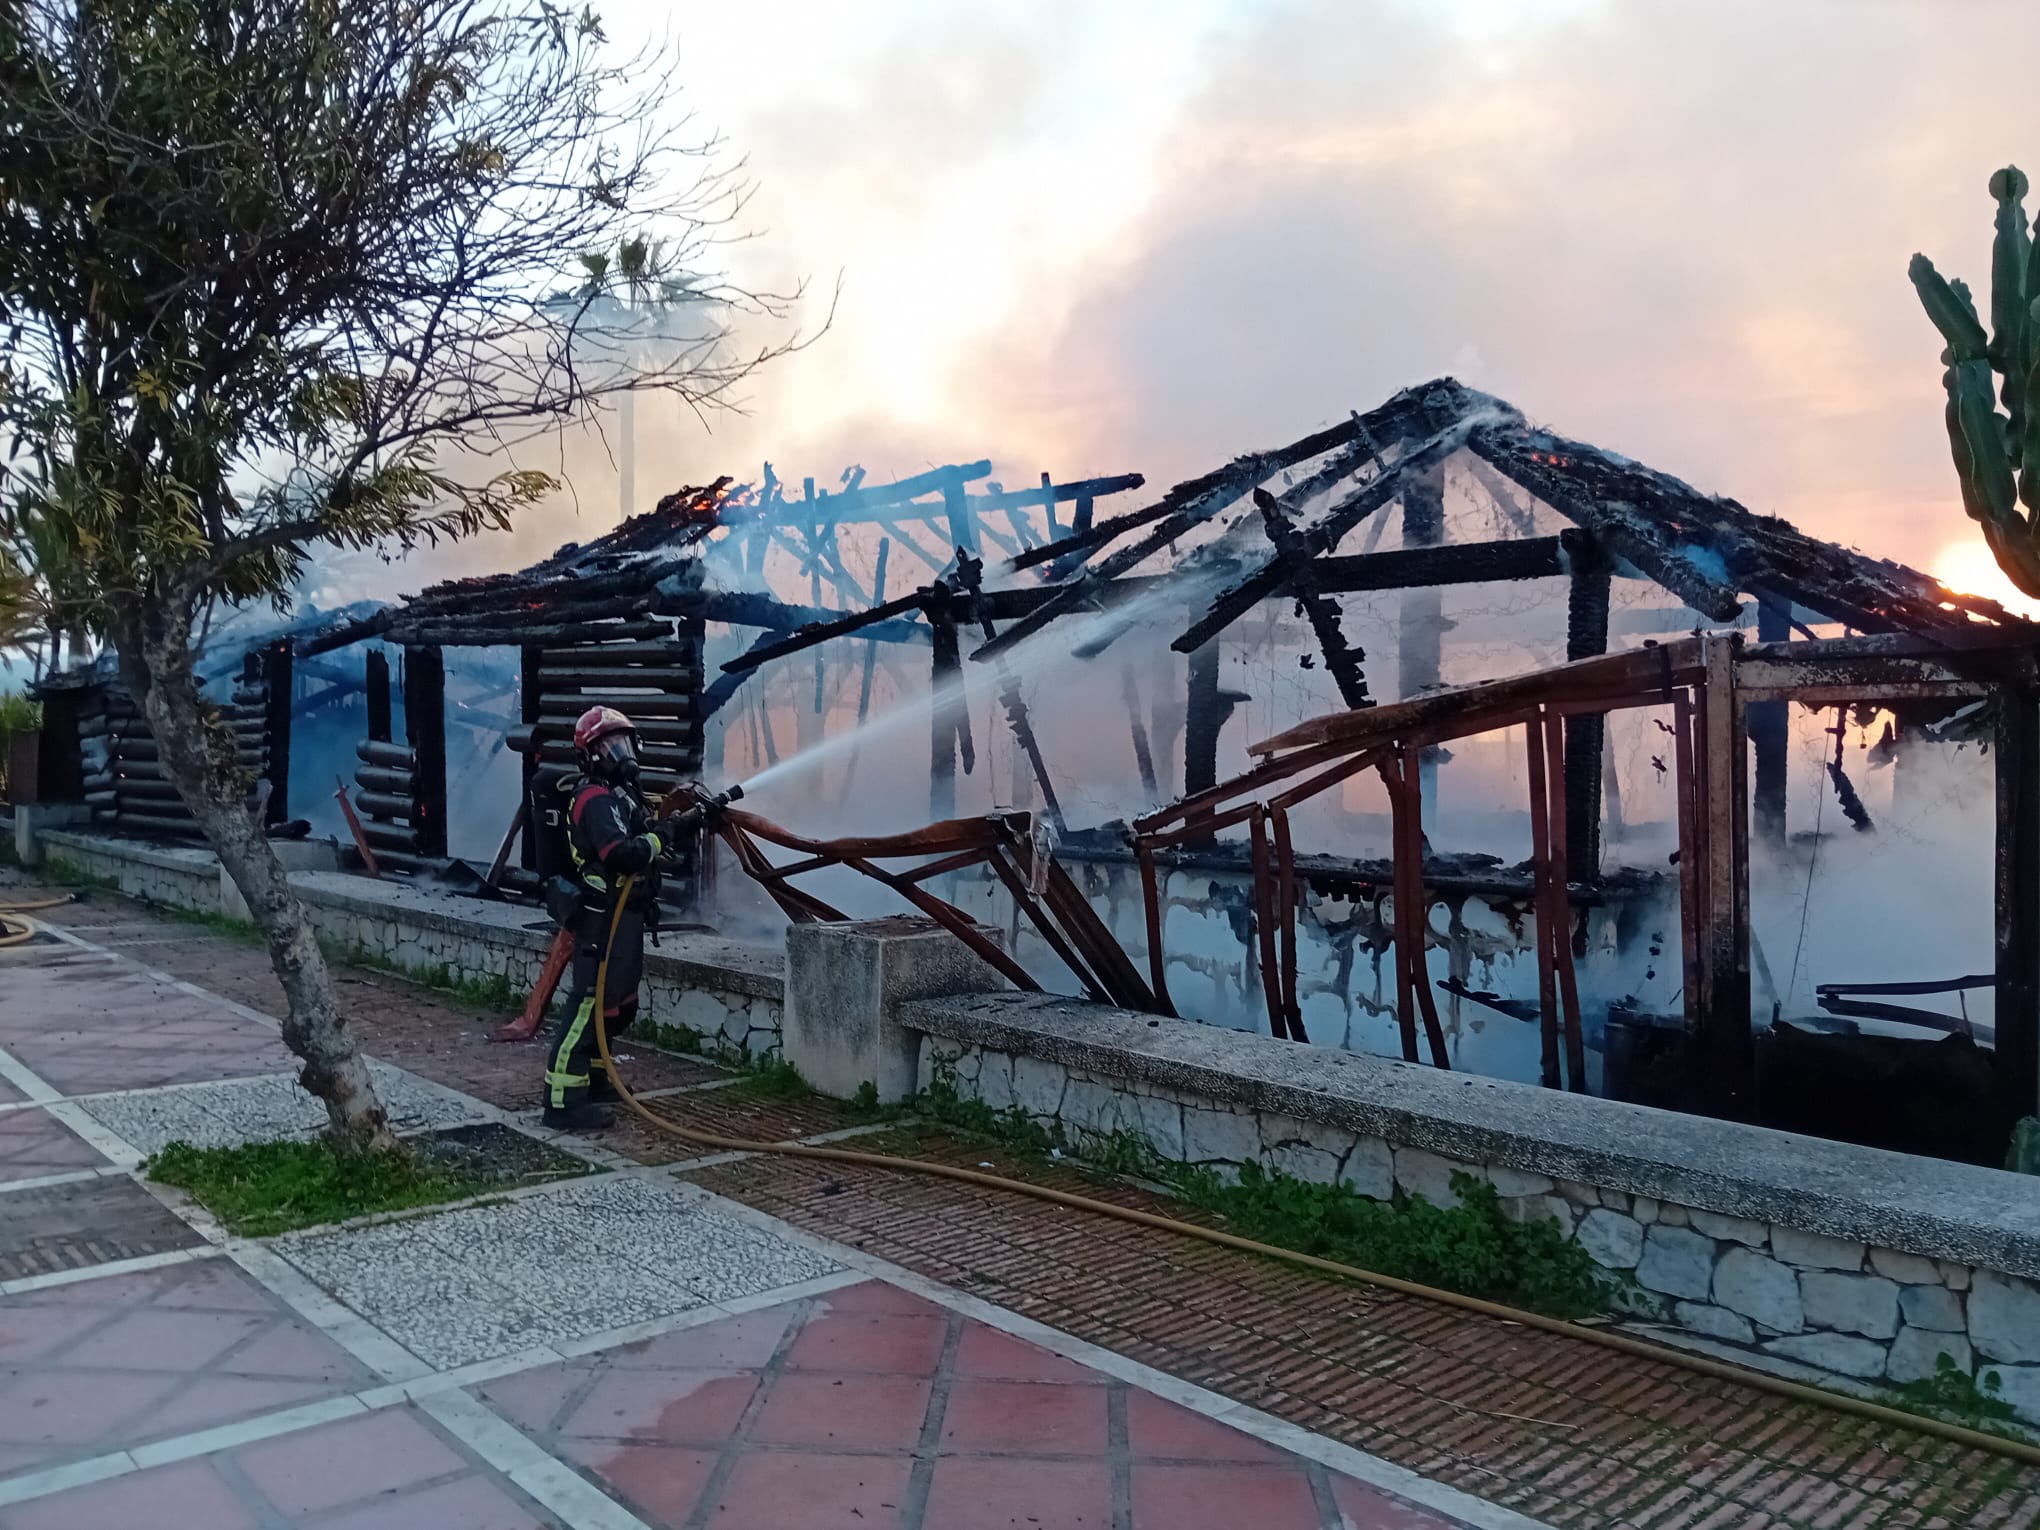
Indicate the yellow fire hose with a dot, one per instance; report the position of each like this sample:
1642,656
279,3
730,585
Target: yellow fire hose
1777,1386
18,931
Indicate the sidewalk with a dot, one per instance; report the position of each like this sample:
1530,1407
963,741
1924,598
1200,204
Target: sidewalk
1434,1416
620,1350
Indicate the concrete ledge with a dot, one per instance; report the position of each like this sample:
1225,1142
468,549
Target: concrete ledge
1920,1206
141,852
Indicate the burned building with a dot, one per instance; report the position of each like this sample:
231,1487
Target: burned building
1430,734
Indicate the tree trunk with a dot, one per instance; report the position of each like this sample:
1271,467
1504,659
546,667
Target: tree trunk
196,754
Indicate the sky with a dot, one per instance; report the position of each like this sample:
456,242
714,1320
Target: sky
1137,235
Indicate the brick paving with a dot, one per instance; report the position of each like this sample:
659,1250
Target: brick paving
75,1226
874,1408
1563,1431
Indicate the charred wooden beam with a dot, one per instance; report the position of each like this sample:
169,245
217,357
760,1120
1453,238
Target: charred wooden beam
372,751
1453,563
345,635
1770,734
425,728
949,731
856,504
631,703
499,633
380,778
1341,658
743,609
1586,635
380,722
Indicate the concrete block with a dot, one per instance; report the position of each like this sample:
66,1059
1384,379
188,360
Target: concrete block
2004,1317
1864,1304
844,986
1612,1240
1764,1291
1932,1307
1906,1269
1540,1208
1429,1175
2019,1385
1370,1168
1729,1229
1515,1182
1832,1352
1220,1136
1160,1121
1815,1251
1915,1354
33,817
1038,1087
1715,1322
1676,1261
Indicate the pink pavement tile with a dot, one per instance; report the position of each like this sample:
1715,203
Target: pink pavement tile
211,1400
795,1490
532,1399
34,1143
843,1412
67,1413
738,1343
1365,1508
26,1332
659,1483
1047,1417
187,1494
693,1407
9,1095
879,1343
1158,1428
293,1352
468,1503
1017,1494
878,1296
990,1355
165,1341
355,1459
1222,1498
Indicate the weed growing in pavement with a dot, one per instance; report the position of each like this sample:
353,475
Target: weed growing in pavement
771,1077
865,1105
684,1039
65,872
492,994
1470,1248
244,930
263,1188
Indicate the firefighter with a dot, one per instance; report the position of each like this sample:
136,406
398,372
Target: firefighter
611,835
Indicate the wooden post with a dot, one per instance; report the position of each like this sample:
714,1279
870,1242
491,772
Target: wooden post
1770,732
1725,1040
1420,633
378,687
529,699
1203,716
2018,899
276,677
425,732
942,737
1586,635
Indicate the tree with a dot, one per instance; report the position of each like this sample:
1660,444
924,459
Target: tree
1997,456
281,274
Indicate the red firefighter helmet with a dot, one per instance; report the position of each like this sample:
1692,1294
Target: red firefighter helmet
598,723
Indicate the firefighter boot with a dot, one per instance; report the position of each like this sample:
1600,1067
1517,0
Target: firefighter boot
584,1117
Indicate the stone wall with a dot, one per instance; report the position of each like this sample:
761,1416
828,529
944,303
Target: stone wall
728,992
166,874
1712,1249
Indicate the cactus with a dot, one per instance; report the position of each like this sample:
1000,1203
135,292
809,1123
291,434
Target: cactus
1997,455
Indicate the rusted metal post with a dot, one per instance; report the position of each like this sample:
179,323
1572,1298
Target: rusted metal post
944,737
1558,900
278,683
1405,985
1411,861
377,682
2018,898
425,732
1420,631
1725,1040
1770,733
1685,792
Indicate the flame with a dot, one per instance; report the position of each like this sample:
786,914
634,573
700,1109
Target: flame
1968,567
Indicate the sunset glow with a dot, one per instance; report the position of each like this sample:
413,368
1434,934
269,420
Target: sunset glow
1968,566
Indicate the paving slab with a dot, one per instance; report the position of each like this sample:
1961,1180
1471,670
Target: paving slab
871,1408
108,1364
478,1282
265,1109
35,1144
74,1226
392,1470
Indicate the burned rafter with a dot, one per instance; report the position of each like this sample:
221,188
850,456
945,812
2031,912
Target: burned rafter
970,573
1342,659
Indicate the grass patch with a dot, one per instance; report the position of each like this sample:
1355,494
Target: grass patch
69,873
273,1187
1471,1248
246,931
770,1077
684,1039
